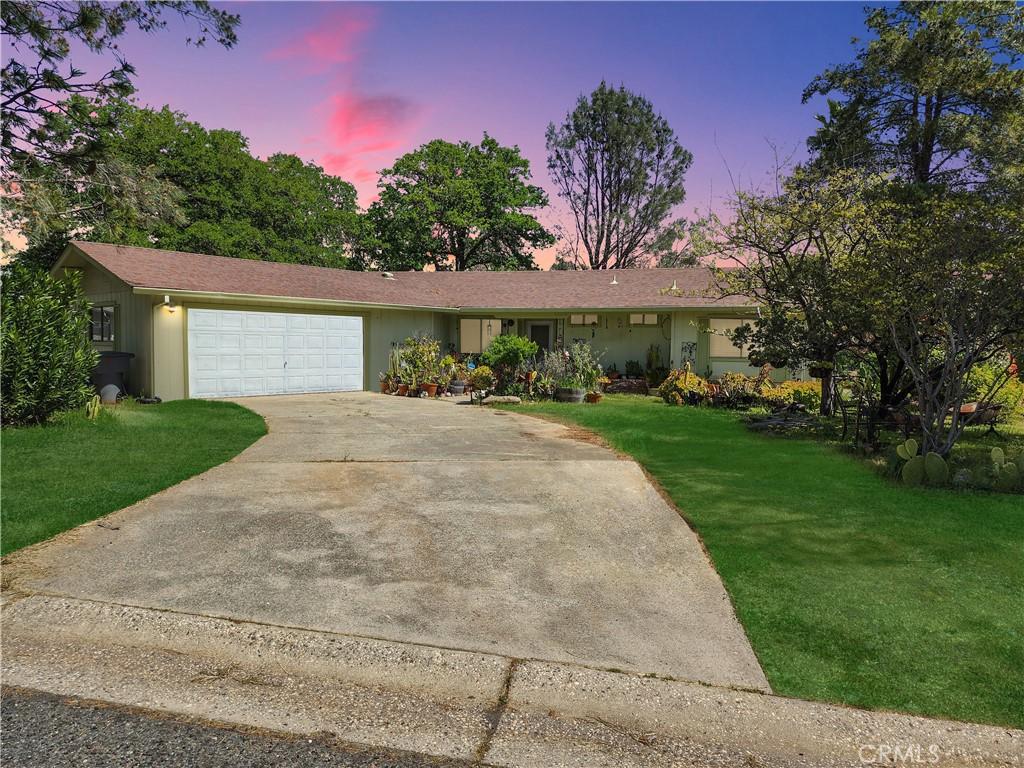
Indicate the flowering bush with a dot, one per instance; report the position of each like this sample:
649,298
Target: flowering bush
807,393
684,387
775,397
481,378
576,367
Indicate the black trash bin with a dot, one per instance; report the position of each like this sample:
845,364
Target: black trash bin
112,369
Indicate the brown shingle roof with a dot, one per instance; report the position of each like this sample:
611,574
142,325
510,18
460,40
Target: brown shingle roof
179,271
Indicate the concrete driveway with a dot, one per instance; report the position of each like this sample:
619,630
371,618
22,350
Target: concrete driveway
424,522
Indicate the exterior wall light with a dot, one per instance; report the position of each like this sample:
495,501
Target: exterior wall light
171,307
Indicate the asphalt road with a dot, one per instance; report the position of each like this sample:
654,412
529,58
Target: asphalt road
39,729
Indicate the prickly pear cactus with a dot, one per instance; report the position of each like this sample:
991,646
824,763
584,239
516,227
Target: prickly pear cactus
963,478
907,450
998,457
913,471
935,468
1008,477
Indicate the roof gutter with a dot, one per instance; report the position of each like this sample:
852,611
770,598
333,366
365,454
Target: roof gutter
250,298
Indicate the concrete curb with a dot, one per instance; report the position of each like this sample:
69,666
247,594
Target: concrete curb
452,703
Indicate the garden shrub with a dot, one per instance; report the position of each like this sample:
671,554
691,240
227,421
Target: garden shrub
481,378
507,355
419,359
45,354
775,396
736,390
634,370
576,367
806,393
683,387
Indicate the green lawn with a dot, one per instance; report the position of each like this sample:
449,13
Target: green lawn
851,588
72,470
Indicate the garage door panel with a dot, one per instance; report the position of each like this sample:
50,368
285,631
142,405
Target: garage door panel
236,352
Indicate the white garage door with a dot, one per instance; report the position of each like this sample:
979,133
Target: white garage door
232,352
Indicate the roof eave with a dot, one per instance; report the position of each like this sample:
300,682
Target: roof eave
250,298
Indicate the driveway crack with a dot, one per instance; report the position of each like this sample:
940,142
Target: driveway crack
494,714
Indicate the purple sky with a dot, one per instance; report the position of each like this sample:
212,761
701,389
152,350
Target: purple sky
352,86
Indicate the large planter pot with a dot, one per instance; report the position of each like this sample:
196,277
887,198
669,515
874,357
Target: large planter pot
403,390
457,387
430,389
385,387
568,395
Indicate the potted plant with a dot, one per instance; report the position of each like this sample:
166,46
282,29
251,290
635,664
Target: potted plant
595,395
418,356
460,376
578,373
482,381
386,382
612,372
448,378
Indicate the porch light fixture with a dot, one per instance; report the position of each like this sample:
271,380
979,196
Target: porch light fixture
169,304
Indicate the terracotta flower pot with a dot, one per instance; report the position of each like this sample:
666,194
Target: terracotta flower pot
384,388
403,390
594,397
430,389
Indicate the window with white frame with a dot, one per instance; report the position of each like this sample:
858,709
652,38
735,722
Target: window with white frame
582,319
721,345
638,318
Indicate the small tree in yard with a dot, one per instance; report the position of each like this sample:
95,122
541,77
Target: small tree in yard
619,167
44,345
455,206
951,279
793,253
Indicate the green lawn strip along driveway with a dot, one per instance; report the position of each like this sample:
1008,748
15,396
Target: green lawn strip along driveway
851,588
72,470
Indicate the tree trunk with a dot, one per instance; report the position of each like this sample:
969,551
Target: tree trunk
828,393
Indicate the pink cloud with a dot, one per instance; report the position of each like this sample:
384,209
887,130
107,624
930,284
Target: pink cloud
367,120
333,41
360,132
359,128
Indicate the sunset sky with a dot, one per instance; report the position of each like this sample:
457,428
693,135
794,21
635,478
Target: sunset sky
352,86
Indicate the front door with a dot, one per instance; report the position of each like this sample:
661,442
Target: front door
540,333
